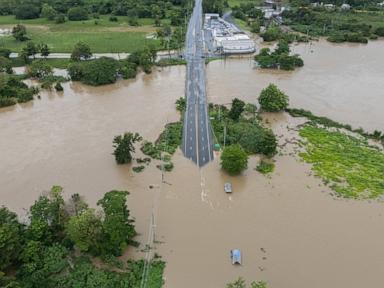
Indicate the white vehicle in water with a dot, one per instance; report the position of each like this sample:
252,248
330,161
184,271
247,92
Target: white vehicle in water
228,187
236,256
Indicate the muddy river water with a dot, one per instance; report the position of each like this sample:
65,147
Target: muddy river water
292,232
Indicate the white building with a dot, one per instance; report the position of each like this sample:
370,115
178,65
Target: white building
226,37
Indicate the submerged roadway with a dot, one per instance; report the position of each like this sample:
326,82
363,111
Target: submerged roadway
197,135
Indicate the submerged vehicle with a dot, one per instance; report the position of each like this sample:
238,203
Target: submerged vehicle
236,256
228,187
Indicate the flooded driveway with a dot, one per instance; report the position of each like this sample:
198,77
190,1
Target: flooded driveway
292,233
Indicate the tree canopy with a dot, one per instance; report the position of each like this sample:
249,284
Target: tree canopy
272,99
41,253
234,159
124,147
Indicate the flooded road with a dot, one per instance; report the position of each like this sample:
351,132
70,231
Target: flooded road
292,233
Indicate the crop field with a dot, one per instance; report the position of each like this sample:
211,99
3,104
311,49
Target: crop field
348,164
101,35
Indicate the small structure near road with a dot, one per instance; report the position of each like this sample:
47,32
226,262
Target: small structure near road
236,256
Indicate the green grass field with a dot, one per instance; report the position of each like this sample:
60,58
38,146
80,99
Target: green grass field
101,34
348,164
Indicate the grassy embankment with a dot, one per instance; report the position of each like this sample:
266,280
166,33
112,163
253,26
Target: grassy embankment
102,35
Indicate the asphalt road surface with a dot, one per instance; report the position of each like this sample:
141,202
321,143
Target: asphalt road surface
197,135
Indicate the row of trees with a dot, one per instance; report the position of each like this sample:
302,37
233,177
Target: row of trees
41,251
80,10
244,134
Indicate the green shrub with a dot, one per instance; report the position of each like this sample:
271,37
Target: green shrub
100,71
272,99
265,167
234,159
77,14
39,69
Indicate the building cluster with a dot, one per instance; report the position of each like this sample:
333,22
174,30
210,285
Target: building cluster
331,7
225,37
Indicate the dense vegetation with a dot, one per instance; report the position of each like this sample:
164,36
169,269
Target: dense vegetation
54,248
234,159
107,70
272,99
279,59
13,90
240,283
339,26
82,9
246,130
352,167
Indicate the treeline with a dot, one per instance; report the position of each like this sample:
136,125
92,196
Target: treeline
53,248
82,9
348,26
353,3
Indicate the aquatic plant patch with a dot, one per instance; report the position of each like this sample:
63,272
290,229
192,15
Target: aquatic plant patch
351,167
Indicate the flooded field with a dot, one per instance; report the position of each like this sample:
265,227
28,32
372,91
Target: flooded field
292,232
343,82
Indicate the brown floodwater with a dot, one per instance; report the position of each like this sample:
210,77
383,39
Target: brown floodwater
292,232
344,82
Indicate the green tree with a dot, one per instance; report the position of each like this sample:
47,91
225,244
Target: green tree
40,69
5,65
26,10
124,147
236,109
47,11
379,31
77,14
257,140
272,99
81,51
30,50
282,47
272,34
5,52
19,32
60,18
255,26
48,217
100,71
118,228
44,50
76,71
11,237
234,159
85,230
